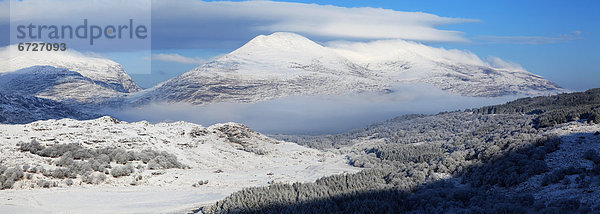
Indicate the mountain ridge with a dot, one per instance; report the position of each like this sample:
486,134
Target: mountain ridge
93,67
288,64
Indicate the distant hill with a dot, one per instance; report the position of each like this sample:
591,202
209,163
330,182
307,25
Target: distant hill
552,110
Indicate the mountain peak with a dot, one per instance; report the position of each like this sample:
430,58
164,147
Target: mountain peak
283,41
283,38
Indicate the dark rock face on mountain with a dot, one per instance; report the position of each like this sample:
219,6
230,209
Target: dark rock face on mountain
15,109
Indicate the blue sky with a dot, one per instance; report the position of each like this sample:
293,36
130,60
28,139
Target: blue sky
559,40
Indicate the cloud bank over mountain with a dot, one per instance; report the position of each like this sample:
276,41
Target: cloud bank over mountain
185,23
312,114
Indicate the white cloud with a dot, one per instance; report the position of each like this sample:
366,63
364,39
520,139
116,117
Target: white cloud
200,24
391,49
313,19
178,58
502,64
323,114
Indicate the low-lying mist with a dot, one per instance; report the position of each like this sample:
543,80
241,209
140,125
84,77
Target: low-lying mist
312,114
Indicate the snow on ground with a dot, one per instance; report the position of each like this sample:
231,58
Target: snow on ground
228,156
576,139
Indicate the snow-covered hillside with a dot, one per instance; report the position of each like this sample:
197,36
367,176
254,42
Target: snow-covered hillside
285,64
68,76
211,162
58,84
577,139
94,67
15,109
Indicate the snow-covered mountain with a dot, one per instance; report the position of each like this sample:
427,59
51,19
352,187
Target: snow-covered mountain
58,84
69,77
285,64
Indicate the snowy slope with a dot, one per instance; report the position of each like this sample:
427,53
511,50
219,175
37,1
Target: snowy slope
16,109
58,84
285,64
267,67
576,139
456,71
228,157
95,68
68,77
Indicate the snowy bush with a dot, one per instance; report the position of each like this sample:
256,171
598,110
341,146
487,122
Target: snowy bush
165,161
553,177
45,183
592,155
93,178
119,171
73,161
198,132
8,176
200,183
146,155
33,147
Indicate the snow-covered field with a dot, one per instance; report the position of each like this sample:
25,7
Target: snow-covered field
224,158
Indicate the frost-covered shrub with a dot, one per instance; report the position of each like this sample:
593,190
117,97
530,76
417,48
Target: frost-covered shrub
44,183
91,164
592,155
257,151
95,165
122,157
74,160
197,132
82,153
165,161
200,183
407,153
60,173
146,155
93,178
46,172
65,160
8,176
80,167
553,177
103,158
33,147
58,150
119,171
